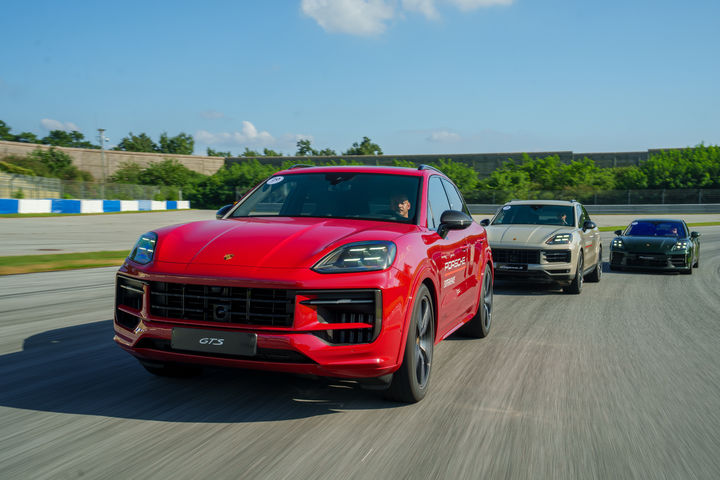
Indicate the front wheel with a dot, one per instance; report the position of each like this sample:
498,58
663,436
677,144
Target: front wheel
596,274
577,283
479,325
410,381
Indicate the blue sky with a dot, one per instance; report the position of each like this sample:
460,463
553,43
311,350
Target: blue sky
416,76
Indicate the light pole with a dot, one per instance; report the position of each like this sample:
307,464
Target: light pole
102,139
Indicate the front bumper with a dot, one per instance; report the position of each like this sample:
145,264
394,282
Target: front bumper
326,335
650,260
546,266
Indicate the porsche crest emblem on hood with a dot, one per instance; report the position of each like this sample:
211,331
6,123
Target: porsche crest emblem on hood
228,256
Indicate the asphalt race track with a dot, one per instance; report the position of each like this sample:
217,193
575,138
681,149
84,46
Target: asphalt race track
622,381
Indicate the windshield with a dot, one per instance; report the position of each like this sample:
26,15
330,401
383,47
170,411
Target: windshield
368,196
649,228
535,215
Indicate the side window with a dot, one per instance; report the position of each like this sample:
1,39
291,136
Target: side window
456,201
586,215
580,215
437,202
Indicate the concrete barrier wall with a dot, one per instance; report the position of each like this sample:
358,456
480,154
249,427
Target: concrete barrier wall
57,205
92,160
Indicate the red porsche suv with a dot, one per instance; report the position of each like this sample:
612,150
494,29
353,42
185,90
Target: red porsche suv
346,272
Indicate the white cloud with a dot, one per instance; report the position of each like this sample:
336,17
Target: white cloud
248,135
50,124
426,7
443,136
370,17
354,17
467,5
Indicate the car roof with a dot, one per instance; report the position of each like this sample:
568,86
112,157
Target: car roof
358,168
542,202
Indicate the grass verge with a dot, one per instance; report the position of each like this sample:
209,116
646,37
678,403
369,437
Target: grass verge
61,261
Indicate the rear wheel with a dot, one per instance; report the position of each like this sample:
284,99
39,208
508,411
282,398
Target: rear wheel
479,325
410,382
576,286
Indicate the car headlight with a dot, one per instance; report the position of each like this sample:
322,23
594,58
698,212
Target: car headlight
560,239
680,245
358,257
617,243
144,249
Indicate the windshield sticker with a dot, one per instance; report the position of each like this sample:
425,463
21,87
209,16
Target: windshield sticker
634,223
275,180
506,207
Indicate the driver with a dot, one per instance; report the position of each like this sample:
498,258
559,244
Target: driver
400,205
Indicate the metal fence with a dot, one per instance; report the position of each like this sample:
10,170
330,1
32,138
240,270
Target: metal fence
23,186
608,197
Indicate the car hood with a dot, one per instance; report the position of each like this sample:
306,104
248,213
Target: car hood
649,244
522,234
277,242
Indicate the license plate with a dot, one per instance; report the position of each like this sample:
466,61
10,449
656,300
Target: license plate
512,267
214,341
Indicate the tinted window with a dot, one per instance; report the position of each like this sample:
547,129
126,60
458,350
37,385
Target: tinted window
456,201
334,195
534,215
650,228
437,202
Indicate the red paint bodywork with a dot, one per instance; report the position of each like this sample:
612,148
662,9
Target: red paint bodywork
278,252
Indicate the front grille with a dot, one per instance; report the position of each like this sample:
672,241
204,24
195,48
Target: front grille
678,260
127,320
646,260
234,305
516,255
557,256
345,307
129,292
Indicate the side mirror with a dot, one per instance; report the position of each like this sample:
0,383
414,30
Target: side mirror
618,232
694,234
223,210
485,222
588,225
453,220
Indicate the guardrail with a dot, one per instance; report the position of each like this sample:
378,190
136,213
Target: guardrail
56,205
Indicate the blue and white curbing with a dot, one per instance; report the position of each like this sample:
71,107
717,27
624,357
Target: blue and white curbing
55,205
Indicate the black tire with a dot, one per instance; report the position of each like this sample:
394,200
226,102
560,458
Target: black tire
410,382
576,286
479,325
171,369
596,274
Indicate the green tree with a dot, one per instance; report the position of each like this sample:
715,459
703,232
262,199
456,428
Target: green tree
137,143
181,144
305,149
26,137
250,153
216,153
464,176
129,172
267,152
169,172
365,147
5,132
61,138
55,163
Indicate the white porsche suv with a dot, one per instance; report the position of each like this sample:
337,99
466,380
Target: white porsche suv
545,241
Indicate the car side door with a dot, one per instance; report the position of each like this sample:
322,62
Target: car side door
449,255
590,238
